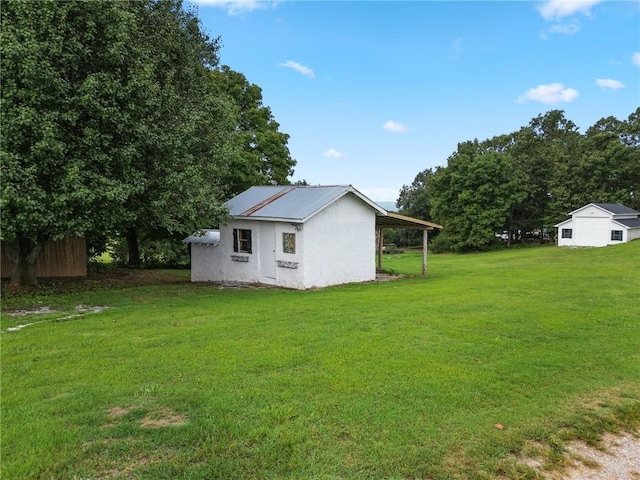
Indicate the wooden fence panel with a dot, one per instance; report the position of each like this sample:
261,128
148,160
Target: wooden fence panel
62,258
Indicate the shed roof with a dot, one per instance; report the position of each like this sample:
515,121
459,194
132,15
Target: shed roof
291,203
395,220
204,237
298,203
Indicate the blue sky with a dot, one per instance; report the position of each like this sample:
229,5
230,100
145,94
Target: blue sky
373,92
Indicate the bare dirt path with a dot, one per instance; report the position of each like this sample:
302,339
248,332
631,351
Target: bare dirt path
618,458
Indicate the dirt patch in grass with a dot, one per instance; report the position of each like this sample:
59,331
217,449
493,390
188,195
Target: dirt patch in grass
616,457
113,279
157,418
163,418
387,277
117,412
132,464
34,311
81,310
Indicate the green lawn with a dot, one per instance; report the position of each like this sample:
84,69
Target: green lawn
395,380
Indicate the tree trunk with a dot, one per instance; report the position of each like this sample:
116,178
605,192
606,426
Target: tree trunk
23,254
133,247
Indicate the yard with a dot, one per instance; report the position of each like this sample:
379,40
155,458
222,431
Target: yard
492,360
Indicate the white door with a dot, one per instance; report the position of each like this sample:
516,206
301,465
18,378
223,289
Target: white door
268,253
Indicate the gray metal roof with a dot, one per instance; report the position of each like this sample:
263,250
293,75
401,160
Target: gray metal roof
291,203
617,209
205,237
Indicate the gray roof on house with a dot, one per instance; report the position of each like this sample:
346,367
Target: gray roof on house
204,237
291,203
617,209
629,222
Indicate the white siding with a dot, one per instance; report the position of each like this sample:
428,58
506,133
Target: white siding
289,266
205,263
567,242
592,227
239,266
339,244
632,234
334,246
592,232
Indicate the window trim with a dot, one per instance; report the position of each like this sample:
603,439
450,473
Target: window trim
567,233
617,233
242,240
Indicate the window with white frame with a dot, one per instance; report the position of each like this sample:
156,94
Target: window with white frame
567,233
616,235
241,240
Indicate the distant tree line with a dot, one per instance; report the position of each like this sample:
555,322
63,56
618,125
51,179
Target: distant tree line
119,123
527,181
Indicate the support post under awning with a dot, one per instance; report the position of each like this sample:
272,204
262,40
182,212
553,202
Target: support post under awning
425,240
380,246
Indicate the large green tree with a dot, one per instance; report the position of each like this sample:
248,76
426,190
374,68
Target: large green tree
265,158
414,199
473,196
99,100
190,146
548,141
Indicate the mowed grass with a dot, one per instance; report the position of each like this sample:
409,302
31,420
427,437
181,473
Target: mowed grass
453,376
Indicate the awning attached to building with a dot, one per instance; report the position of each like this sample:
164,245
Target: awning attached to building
395,220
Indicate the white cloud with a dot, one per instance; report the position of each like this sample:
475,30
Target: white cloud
635,58
395,127
304,70
565,29
235,7
557,9
552,93
609,83
333,153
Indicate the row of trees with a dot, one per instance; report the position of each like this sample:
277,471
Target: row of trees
527,181
118,122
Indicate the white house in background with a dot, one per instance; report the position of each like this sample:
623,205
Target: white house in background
598,225
290,236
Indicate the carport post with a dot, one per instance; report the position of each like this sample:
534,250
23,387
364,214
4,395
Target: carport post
425,239
380,245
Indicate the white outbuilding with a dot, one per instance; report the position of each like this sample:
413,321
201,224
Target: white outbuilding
294,237
599,225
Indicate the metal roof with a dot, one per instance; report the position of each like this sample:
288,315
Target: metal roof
291,203
395,220
204,237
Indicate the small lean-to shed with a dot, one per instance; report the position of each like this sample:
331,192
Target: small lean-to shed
599,225
295,237
291,236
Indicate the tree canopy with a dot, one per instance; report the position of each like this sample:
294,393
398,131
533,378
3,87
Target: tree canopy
528,180
265,158
116,121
